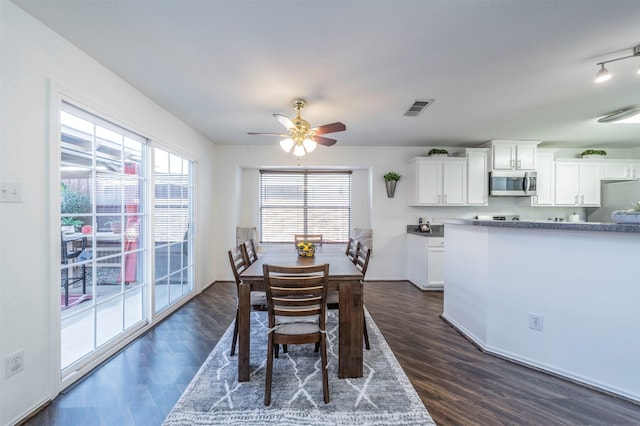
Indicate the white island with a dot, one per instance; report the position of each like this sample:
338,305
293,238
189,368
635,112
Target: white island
579,283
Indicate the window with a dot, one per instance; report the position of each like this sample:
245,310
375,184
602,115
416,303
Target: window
173,218
305,202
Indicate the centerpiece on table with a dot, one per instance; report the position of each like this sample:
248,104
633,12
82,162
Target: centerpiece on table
631,215
306,249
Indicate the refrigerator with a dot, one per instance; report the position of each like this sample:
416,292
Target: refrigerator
614,195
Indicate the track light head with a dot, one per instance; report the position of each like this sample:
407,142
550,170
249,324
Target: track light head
603,74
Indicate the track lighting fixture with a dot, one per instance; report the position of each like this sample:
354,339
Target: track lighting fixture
603,74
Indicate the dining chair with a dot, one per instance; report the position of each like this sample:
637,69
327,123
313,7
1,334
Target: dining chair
250,251
312,238
297,303
239,262
362,254
72,248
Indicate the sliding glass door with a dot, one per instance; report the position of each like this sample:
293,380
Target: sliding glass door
102,267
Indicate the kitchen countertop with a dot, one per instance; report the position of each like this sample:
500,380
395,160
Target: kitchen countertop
437,231
569,226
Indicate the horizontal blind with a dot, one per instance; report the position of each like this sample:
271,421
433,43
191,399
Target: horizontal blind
305,202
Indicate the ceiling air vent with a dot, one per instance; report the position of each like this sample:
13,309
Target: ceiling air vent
418,107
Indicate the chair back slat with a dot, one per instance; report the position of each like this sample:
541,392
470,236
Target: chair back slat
250,251
363,253
352,246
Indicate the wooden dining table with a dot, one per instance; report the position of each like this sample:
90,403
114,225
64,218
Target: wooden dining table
344,276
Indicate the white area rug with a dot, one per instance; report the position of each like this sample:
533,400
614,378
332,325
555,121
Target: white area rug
384,396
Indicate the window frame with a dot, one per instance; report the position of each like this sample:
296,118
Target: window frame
338,199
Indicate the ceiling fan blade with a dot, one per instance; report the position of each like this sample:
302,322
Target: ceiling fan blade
285,121
324,141
330,128
269,134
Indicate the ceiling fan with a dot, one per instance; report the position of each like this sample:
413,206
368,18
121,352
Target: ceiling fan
302,137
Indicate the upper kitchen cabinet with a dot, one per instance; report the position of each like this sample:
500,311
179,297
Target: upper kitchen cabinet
437,181
477,177
512,155
621,169
545,180
577,184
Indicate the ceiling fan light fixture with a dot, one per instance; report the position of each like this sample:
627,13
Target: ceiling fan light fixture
603,74
302,137
628,115
309,145
299,151
286,144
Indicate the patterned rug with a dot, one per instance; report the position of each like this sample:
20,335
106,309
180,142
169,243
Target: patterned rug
384,396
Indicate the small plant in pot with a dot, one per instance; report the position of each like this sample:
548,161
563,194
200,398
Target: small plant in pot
435,152
593,153
390,180
69,224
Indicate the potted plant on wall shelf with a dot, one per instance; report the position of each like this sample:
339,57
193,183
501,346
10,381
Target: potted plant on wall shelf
390,180
631,215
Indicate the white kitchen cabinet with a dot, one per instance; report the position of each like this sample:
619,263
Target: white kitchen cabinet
577,184
545,181
425,259
477,177
620,169
437,182
513,155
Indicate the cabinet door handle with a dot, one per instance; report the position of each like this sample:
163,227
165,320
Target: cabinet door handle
439,196
582,202
576,199
445,198
511,163
519,164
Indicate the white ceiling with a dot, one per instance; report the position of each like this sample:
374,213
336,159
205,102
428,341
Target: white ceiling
497,69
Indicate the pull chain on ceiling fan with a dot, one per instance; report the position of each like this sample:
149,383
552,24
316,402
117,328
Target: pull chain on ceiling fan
302,138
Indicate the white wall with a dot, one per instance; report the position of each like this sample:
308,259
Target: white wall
32,57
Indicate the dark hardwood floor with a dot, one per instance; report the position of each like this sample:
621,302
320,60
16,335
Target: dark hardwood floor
458,384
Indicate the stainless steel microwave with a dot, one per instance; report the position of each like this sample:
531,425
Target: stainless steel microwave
512,183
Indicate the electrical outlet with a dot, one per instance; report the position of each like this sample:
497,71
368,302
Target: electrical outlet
14,363
536,322
10,192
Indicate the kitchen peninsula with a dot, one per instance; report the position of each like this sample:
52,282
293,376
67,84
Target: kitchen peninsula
560,297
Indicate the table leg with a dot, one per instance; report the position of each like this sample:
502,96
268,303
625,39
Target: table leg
244,331
351,329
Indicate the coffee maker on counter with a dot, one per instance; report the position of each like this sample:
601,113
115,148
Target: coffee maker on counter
423,227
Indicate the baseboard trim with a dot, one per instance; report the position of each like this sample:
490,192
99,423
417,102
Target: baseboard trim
537,367
24,418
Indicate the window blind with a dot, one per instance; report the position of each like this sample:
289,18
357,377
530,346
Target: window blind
305,202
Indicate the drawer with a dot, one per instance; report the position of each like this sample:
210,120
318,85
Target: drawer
435,242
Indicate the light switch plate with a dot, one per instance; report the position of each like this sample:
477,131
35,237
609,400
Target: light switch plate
10,192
